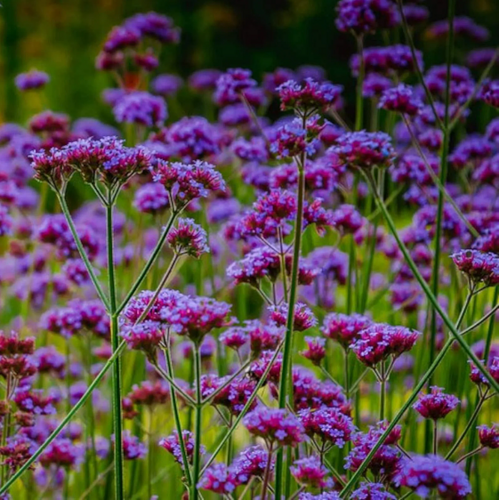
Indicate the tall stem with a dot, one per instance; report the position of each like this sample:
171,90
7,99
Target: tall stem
359,108
116,372
266,476
196,463
285,383
382,392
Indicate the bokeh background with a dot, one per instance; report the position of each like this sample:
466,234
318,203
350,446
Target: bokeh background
62,37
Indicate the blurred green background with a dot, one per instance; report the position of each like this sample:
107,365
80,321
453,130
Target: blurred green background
63,37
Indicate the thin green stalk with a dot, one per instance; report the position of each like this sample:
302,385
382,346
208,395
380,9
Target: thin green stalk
426,289
176,416
359,105
81,250
382,392
470,423
410,41
285,383
116,373
435,279
152,259
198,416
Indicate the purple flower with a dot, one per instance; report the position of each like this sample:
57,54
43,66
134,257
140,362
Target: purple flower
251,462
63,453
365,149
34,79
303,316
391,60
347,219
274,426
464,27
311,96
400,99
386,460
151,198
234,337
490,94
292,139
480,58
379,341
133,448
141,108
154,25
478,266
489,436
145,336
219,478
172,445
166,85
424,474
121,38
204,79
92,128
477,376
344,329
372,491
365,16
375,85
231,85
316,350
258,264
310,472
328,424
436,404
188,238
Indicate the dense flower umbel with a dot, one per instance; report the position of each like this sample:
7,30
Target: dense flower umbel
489,436
379,341
33,79
365,150
303,316
400,99
478,378
250,463
231,85
316,349
343,328
187,182
172,445
328,424
365,16
436,404
141,108
188,238
274,426
219,478
372,491
309,471
480,267
386,460
425,474
309,96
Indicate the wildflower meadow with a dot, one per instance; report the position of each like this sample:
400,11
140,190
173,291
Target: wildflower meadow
291,293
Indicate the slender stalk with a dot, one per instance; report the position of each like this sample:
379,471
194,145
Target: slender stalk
470,423
470,454
152,259
266,476
435,436
285,383
359,105
116,373
435,279
6,425
382,392
410,41
81,250
198,415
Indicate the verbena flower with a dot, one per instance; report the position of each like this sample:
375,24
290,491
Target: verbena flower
188,238
303,316
231,85
309,96
480,267
489,436
365,16
251,462
219,478
33,79
400,99
274,426
436,404
464,27
372,491
141,108
424,475
343,328
390,60
365,150
315,350
172,445
378,342
309,471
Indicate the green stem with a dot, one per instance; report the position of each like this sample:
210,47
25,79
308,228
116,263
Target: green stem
359,107
382,392
198,415
116,373
152,259
285,383
81,250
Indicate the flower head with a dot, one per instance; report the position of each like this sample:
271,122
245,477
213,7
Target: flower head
141,108
309,471
424,474
480,267
489,436
400,99
33,79
188,238
436,404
